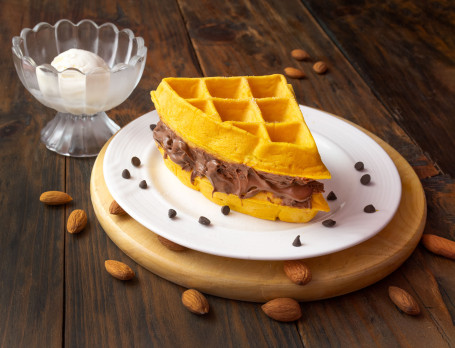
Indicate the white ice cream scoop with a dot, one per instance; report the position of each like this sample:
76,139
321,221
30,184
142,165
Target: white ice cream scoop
82,90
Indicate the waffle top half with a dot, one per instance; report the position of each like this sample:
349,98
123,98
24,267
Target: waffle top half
252,120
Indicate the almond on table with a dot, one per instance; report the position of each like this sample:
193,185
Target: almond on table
119,270
320,67
439,245
283,309
294,73
300,54
195,302
55,198
404,301
76,221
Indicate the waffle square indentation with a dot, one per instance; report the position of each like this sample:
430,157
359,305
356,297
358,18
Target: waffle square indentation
257,129
188,88
242,111
278,110
285,132
268,86
229,87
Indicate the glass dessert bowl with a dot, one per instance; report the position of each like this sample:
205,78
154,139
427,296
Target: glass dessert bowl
80,93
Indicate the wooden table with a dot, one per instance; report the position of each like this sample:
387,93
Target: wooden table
391,71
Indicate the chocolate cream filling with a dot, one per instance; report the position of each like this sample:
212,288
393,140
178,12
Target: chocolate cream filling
234,178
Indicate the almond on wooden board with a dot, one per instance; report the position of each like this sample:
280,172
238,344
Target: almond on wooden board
76,221
404,301
300,54
119,270
195,302
116,209
55,198
439,245
297,271
282,309
320,67
294,73
170,244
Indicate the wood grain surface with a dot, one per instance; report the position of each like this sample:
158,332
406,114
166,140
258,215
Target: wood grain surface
390,71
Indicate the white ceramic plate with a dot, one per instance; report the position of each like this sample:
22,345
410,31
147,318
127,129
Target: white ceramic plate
241,236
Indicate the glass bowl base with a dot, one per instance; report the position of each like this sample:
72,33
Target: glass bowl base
78,135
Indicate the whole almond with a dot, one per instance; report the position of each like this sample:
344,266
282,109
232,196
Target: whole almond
297,271
195,302
116,209
119,270
300,54
282,309
439,245
294,73
403,300
320,67
170,244
76,221
55,197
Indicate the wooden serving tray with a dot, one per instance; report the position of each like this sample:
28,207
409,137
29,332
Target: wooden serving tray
259,281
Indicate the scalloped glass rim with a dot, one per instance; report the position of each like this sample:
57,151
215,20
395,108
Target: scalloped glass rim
17,40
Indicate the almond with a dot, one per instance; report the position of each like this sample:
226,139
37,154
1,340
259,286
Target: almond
76,221
403,300
116,209
294,73
439,245
171,245
297,271
119,270
283,309
195,302
55,198
320,67
300,54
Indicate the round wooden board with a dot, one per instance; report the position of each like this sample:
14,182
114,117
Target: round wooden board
259,281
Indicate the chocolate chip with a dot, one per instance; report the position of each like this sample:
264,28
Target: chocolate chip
365,179
143,184
152,126
204,221
329,223
359,166
126,174
331,196
171,213
135,161
225,209
297,242
369,209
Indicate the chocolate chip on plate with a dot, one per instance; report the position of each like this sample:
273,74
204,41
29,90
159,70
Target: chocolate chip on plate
135,161
152,126
171,213
369,209
225,209
365,179
331,196
204,221
297,241
143,184
126,174
329,223
359,166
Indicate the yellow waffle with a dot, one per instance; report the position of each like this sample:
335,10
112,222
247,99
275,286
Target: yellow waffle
253,120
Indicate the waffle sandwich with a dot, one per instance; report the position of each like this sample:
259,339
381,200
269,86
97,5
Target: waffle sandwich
241,142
